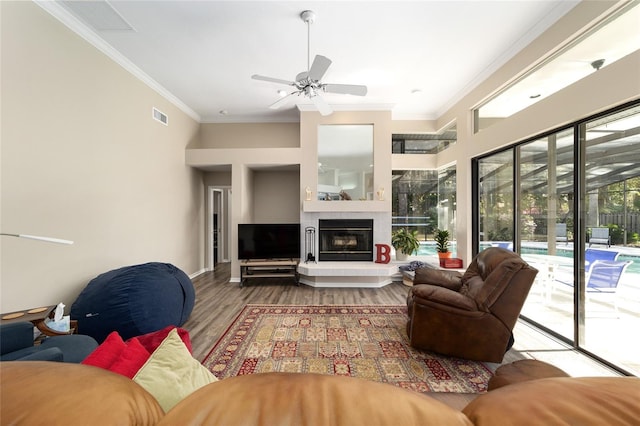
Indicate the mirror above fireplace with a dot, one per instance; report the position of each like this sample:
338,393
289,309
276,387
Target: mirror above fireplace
345,162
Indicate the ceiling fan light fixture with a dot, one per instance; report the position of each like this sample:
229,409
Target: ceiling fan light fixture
309,83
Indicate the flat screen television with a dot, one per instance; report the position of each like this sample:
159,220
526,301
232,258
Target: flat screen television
268,241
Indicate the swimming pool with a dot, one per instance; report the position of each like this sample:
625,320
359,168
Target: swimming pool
429,249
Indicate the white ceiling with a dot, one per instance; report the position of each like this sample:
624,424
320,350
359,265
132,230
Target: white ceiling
202,54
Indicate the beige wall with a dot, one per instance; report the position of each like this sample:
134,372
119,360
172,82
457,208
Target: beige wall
217,179
249,135
83,160
275,197
247,149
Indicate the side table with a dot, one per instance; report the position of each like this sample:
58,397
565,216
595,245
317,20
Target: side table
37,316
34,315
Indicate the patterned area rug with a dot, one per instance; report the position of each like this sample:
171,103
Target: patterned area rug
368,342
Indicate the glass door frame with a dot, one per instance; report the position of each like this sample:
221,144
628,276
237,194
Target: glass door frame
579,225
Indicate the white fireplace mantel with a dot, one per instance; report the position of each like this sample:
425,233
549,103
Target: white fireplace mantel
346,206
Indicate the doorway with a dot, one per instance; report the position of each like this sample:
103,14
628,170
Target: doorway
217,232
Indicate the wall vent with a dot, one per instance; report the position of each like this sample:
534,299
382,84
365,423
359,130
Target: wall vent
160,116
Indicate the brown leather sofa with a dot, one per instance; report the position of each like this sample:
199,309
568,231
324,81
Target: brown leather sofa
48,393
469,316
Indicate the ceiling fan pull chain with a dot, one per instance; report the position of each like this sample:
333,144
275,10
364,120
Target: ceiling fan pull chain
308,46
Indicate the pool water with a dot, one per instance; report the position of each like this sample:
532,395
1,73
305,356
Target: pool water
634,268
429,249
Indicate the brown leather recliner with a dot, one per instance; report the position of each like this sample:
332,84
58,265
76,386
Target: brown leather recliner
470,316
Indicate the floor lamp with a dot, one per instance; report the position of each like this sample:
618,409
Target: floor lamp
39,238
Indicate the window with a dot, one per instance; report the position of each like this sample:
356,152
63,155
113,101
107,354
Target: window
425,200
615,37
424,143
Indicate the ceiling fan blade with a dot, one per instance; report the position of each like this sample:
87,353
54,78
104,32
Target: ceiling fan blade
277,104
322,105
273,80
345,89
319,67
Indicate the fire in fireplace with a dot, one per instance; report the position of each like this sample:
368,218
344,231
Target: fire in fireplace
345,239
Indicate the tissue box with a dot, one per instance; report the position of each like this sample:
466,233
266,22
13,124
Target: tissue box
62,325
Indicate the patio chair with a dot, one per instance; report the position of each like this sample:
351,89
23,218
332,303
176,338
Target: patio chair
503,244
604,278
600,236
561,233
591,255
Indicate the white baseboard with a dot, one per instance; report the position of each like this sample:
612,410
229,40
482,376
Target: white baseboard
195,274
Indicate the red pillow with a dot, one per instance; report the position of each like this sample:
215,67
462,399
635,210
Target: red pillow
107,353
152,340
131,359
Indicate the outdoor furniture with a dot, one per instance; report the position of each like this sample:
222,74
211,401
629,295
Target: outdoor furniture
604,278
503,244
561,233
600,236
469,316
591,255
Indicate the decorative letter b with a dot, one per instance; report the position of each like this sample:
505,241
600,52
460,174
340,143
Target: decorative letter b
382,253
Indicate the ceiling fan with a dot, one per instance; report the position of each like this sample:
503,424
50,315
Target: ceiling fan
308,83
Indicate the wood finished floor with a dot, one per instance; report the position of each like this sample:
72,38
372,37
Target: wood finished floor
219,301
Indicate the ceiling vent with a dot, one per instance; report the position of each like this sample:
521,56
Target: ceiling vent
160,116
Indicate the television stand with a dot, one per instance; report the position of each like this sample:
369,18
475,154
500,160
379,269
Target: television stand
269,268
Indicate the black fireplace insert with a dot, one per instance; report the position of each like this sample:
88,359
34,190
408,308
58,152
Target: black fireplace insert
345,239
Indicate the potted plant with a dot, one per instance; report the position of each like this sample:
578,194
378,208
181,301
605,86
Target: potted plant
405,242
442,244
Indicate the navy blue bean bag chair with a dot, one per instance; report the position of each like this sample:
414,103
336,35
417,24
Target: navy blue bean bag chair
134,300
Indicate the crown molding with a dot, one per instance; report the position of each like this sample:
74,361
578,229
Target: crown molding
74,24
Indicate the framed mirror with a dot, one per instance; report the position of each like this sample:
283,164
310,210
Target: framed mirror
345,162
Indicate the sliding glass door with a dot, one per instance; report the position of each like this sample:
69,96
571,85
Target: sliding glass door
545,228
495,200
576,193
611,290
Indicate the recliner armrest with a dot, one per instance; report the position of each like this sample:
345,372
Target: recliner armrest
425,293
49,354
451,280
15,336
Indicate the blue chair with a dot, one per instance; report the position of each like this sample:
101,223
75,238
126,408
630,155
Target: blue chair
604,277
503,244
591,255
16,344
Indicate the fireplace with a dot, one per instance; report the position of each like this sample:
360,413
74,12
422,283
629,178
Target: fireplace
345,239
